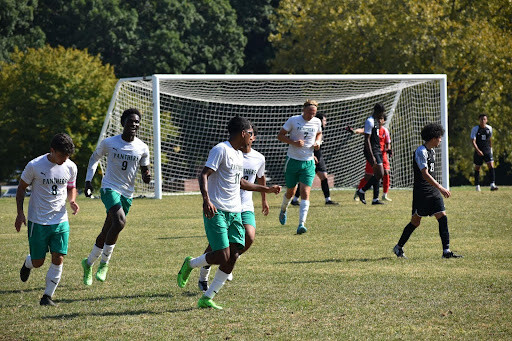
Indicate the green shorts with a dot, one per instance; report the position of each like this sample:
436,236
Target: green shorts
224,228
111,198
299,171
44,238
248,218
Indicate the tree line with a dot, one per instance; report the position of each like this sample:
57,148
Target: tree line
60,59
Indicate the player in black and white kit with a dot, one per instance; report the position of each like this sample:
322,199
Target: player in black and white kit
427,192
372,153
481,139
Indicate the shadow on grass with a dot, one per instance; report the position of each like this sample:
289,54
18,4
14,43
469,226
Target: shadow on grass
115,298
19,291
115,313
182,237
337,260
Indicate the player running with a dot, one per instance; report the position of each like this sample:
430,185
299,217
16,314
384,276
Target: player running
481,138
53,179
125,153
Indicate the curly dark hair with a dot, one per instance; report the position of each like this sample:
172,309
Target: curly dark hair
63,143
432,131
237,124
127,113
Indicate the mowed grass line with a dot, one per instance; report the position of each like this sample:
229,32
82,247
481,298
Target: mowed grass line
338,281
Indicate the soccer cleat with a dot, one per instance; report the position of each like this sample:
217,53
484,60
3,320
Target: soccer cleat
450,254
301,229
494,188
230,277
295,203
282,217
386,198
206,302
361,197
24,273
203,285
184,273
399,251
87,272
101,274
356,197
333,203
478,188
377,202
46,300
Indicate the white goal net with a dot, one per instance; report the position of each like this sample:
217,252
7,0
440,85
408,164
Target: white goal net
184,116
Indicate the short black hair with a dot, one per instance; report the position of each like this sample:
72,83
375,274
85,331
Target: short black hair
127,113
63,143
237,124
432,131
378,110
320,116
254,130
482,115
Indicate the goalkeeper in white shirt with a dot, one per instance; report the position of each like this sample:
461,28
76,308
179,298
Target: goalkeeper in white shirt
125,154
53,179
220,183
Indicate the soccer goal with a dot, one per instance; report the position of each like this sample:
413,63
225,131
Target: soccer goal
184,116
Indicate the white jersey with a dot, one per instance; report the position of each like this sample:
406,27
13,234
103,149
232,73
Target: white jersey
254,166
123,161
300,129
50,183
224,182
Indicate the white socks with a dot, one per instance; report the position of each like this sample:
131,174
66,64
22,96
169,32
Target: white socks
52,279
94,255
199,261
28,262
303,211
285,203
217,283
204,273
107,252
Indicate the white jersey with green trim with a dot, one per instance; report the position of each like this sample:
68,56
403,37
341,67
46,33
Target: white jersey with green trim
123,160
50,183
224,182
300,129
254,166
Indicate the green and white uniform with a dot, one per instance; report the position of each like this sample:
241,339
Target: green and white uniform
254,166
123,160
48,227
300,164
224,192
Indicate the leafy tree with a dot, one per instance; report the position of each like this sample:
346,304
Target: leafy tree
17,28
49,90
469,41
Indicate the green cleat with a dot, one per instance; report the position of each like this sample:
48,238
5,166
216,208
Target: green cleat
184,273
101,274
87,272
206,302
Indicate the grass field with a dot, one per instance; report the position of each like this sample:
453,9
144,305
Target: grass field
338,281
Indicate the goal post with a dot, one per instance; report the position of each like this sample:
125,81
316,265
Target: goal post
184,116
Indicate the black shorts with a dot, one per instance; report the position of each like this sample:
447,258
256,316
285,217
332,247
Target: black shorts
320,166
479,160
376,154
427,205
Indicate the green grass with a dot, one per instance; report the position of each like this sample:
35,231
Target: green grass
338,281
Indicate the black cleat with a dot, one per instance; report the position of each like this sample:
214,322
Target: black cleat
494,188
332,203
361,197
377,202
46,300
24,273
203,285
295,202
399,251
451,255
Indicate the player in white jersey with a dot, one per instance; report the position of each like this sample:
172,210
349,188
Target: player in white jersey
53,179
305,136
125,153
220,183
254,171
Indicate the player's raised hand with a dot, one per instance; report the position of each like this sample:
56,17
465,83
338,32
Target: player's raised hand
88,189
20,219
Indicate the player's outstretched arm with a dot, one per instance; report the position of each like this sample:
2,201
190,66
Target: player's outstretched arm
20,198
209,209
244,184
